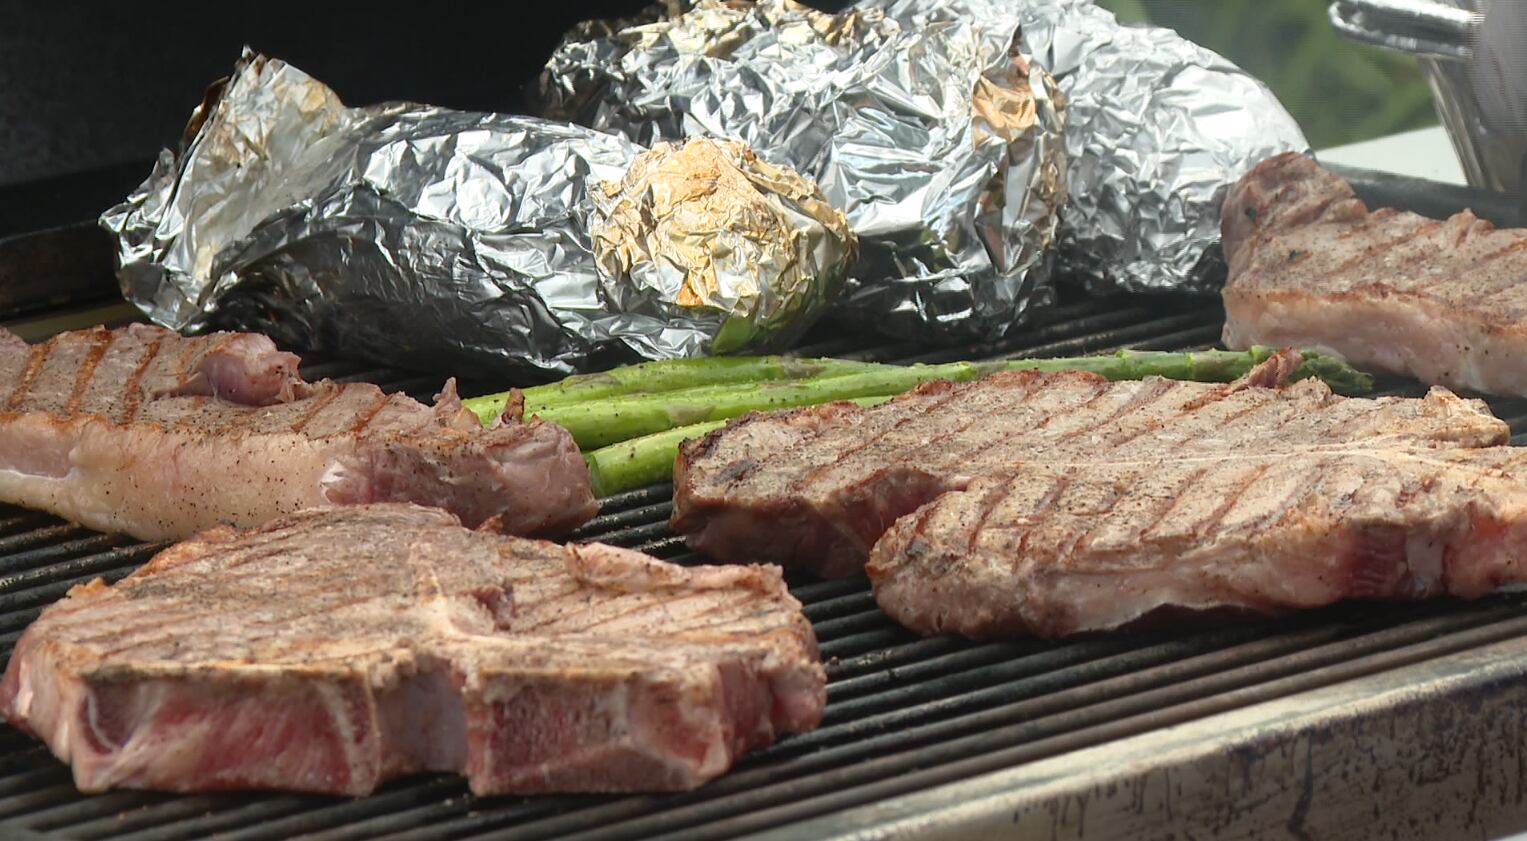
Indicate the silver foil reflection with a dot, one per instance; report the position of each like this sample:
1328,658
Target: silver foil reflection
941,146
431,238
1157,128
1471,54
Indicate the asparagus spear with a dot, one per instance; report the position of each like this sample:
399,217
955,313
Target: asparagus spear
600,423
639,462
668,375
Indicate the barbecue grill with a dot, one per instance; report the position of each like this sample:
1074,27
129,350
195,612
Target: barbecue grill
1358,721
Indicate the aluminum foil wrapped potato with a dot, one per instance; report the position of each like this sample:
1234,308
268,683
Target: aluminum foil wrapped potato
941,147
701,225
425,237
1157,129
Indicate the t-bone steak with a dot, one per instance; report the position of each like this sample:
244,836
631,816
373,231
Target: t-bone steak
337,648
1033,503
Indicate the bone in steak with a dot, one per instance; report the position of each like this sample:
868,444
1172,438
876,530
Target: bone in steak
1056,503
816,487
1310,266
142,431
337,648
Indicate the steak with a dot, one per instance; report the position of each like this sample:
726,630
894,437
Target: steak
337,648
814,488
1059,548
1033,503
142,431
1310,266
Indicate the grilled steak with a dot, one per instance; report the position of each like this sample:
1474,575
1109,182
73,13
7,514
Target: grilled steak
1058,548
1310,266
145,432
816,487
337,648
1056,503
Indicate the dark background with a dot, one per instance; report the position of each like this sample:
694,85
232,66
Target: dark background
91,91
85,85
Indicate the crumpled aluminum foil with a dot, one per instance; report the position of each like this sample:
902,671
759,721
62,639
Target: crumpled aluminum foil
478,243
944,151
1157,129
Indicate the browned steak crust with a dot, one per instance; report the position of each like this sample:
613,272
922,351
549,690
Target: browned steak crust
1049,504
143,431
335,649
1310,266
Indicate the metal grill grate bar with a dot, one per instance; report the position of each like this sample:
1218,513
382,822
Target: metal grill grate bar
104,805
36,574
140,816
606,526
308,822
1054,725
164,821
839,607
892,659
32,778
21,520
47,535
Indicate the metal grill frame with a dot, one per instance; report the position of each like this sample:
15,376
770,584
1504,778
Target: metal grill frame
1239,730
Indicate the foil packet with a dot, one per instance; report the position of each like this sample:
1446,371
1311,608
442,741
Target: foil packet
942,146
1157,129
476,243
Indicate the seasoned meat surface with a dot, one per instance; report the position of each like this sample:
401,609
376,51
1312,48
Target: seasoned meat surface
143,431
1311,266
337,648
1050,504
1067,547
816,487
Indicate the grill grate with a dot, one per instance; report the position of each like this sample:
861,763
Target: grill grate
904,713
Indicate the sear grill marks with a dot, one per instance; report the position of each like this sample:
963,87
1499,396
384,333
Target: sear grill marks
1069,504
221,429
526,666
37,355
1442,301
132,389
87,373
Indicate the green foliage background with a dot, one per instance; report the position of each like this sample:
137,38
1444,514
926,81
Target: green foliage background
1339,91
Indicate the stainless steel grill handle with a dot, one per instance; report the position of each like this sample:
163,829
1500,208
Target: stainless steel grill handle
1419,27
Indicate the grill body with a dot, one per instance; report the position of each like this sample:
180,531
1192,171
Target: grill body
1358,721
